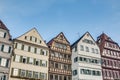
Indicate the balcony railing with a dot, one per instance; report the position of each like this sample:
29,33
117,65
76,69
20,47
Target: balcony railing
67,61
61,50
60,71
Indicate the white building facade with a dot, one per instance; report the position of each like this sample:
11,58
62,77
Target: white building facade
30,57
86,59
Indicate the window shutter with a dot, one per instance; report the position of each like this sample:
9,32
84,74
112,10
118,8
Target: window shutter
19,72
4,35
46,63
34,61
29,49
21,58
22,47
7,63
26,73
35,50
41,51
16,45
40,62
12,72
46,53
2,47
9,50
27,59
14,57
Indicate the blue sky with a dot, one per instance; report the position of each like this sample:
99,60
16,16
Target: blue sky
73,17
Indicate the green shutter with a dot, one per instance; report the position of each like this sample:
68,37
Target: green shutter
46,63
4,35
22,47
40,75
41,51
34,61
35,50
7,63
19,72
14,57
40,62
16,45
9,50
28,60
21,58
29,49
12,71
26,73
2,47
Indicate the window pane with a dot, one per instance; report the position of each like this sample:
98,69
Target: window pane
3,62
30,60
17,58
6,48
19,46
1,34
15,72
32,49
25,47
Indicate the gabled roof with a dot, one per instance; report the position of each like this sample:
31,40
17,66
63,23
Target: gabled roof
2,26
107,38
33,29
81,38
50,42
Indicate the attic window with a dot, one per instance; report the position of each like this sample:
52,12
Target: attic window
88,35
25,37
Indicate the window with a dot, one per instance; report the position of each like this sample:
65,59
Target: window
1,34
81,48
75,72
56,77
30,74
32,49
36,75
3,62
15,72
44,63
43,76
56,54
96,51
30,60
93,51
87,49
60,77
65,77
23,73
61,55
17,58
37,62
75,48
25,47
24,60
19,46
56,65
65,67
22,47
94,72
38,50
51,77
6,48
75,59
81,58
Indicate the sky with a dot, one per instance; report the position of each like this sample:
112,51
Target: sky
72,17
